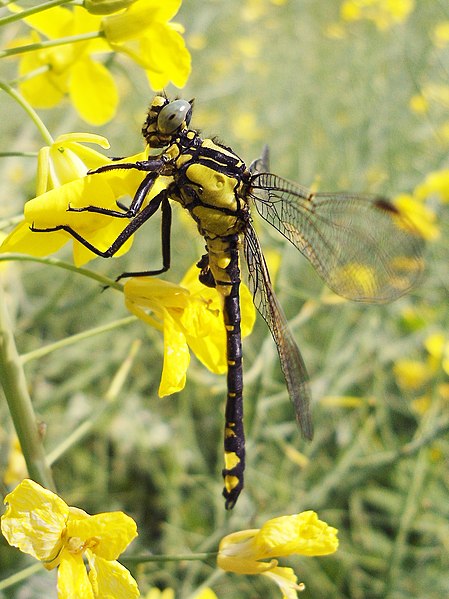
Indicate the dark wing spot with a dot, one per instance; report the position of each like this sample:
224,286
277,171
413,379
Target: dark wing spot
386,206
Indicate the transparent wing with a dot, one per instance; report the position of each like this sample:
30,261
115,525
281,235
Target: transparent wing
265,300
361,245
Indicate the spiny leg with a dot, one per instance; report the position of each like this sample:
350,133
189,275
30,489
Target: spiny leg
165,244
131,228
142,191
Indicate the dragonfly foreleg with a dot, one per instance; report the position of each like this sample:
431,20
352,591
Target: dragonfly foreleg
165,244
139,197
131,228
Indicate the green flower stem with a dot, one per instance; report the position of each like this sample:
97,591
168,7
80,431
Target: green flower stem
112,396
17,16
21,155
142,559
73,39
105,281
20,576
14,384
73,339
29,110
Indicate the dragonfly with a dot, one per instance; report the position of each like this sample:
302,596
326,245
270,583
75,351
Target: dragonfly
361,245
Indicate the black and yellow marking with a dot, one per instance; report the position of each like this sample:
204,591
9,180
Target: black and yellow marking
361,245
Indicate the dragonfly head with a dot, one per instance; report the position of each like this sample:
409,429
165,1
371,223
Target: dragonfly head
166,120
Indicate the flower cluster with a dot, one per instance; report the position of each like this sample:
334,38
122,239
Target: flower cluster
383,13
246,552
41,524
67,64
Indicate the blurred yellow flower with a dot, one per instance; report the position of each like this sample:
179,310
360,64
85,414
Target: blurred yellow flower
143,33
421,217
243,552
436,183
41,524
50,209
190,315
70,68
384,13
411,374
16,469
441,34
419,104
437,345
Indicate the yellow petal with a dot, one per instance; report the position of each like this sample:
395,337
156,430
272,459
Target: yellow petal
421,217
206,335
168,58
16,469
286,580
205,594
35,520
176,359
247,309
72,578
140,17
50,209
156,294
436,183
113,532
93,91
110,579
53,23
23,241
44,90
300,533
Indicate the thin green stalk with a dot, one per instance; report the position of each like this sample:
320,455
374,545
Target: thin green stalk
112,397
105,281
17,16
15,388
29,110
142,559
73,339
73,39
20,576
19,154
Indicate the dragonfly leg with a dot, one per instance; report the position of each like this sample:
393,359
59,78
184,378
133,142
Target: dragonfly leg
165,244
131,228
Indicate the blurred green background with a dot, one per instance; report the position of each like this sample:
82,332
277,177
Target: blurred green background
334,101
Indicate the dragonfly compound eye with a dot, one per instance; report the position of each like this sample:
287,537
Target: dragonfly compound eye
173,116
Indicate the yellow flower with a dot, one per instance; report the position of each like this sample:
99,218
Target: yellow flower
16,469
190,315
242,552
384,13
437,345
67,159
421,217
441,34
41,524
50,209
411,374
70,67
436,183
143,32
